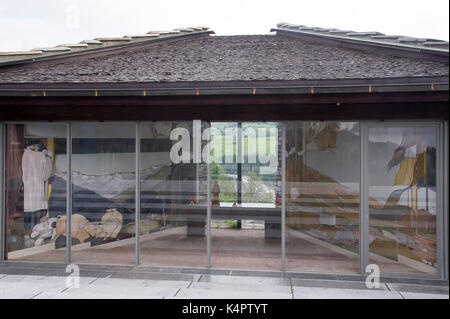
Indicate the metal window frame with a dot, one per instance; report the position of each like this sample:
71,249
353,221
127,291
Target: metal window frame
363,255
208,206
445,193
208,212
3,183
69,193
2,192
137,203
441,232
69,185
283,197
442,157
239,158
363,198
440,201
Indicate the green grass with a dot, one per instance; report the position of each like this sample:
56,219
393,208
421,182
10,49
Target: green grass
229,146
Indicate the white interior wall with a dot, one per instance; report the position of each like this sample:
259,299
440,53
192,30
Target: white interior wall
107,163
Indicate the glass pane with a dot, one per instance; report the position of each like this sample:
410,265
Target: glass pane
246,217
402,190
173,195
35,201
322,197
103,188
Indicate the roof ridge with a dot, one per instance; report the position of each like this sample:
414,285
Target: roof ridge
368,38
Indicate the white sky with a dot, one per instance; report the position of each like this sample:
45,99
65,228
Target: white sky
27,24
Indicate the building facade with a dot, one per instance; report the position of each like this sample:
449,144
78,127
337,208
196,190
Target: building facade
309,150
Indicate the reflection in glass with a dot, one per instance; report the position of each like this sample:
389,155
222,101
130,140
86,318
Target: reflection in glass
402,190
173,195
103,188
322,197
322,166
35,180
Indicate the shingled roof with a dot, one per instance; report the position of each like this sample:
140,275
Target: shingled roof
228,59
368,38
96,45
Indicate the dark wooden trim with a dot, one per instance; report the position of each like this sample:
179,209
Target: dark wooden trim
222,100
238,112
229,107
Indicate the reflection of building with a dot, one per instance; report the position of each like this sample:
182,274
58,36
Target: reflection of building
361,124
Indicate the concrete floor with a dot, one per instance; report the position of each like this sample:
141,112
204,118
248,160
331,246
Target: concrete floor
37,281
230,248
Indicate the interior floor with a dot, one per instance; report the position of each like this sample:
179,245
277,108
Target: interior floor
230,249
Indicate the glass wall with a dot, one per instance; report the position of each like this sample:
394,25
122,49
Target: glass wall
322,197
35,191
239,166
246,190
173,182
402,196
103,193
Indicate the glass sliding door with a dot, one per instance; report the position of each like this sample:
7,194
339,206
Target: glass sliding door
173,183
403,203
245,190
35,191
103,193
322,197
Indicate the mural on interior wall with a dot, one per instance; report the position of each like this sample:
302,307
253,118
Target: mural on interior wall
322,200
404,228
103,187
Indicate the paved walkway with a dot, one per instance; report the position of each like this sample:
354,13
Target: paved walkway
135,282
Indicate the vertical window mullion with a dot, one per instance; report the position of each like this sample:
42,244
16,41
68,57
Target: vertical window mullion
69,193
283,197
363,201
208,205
442,206
444,192
2,192
137,190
